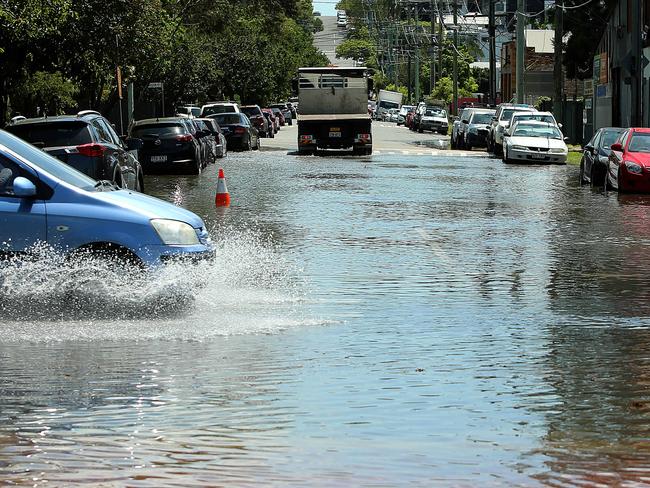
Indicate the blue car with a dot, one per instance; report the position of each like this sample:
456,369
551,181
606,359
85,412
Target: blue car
43,200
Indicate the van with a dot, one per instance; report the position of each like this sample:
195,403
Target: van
43,200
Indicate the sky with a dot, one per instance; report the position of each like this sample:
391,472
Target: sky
325,8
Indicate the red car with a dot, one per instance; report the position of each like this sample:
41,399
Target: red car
278,113
629,162
409,120
272,118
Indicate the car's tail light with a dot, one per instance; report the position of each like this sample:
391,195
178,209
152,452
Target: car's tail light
239,130
184,138
92,150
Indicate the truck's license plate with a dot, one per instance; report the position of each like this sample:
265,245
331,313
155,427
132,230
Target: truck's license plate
335,132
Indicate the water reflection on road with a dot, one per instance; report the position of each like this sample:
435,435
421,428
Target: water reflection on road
384,321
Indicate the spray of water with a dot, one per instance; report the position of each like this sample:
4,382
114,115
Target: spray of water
250,287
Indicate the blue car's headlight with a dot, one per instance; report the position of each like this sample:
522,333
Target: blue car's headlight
175,232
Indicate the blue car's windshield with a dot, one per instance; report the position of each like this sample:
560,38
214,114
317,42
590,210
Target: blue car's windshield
49,164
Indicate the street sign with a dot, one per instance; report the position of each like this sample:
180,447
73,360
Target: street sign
156,84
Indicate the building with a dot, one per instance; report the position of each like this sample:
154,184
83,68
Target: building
538,72
620,86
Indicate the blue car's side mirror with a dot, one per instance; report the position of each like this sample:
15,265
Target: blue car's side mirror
23,187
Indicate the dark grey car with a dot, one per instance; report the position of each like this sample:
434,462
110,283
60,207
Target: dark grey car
88,143
594,161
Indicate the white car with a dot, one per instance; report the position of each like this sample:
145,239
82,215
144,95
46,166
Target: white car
401,117
523,116
393,115
342,21
211,108
535,142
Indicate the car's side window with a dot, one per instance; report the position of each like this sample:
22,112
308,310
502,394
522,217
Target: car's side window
101,131
8,173
111,132
596,140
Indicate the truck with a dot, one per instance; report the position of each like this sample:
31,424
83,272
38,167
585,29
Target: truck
387,100
333,105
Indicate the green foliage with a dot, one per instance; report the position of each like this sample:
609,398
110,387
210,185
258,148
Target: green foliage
51,92
357,49
544,103
402,89
444,89
245,49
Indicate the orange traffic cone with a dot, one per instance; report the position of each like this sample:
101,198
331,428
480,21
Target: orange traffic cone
223,197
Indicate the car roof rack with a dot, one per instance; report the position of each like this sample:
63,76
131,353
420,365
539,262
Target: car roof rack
87,112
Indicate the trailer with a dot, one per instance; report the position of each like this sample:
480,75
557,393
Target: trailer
334,110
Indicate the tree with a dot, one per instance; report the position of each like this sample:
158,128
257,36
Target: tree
357,49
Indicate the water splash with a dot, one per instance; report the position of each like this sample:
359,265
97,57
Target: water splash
250,287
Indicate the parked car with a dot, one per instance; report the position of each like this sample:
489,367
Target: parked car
278,113
433,118
285,112
255,115
477,128
219,108
458,127
209,138
200,136
410,120
88,143
188,111
221,147
595,155
168,145
294,111
239,131
43,200
273,120
404,109
520,116
535,142
628,169
391,115
500,122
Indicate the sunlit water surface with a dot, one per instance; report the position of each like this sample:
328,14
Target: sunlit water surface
387,321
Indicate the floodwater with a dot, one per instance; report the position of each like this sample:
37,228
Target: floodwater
385,321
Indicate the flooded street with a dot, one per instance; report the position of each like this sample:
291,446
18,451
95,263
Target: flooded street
394,320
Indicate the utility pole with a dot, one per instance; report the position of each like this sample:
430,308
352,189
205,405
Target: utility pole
493,64
432,70
521,49
417,54
558,48
637,56
440,39
455,99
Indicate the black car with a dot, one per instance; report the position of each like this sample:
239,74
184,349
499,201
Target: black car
476,131
219,139
239,131
168,146
206,137
595,156
88,143
255,115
